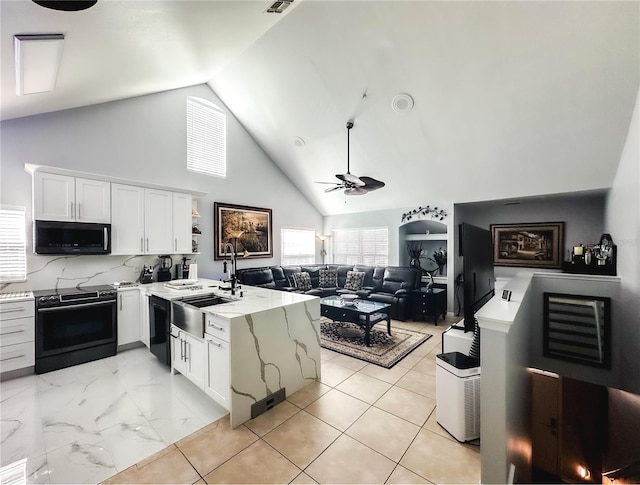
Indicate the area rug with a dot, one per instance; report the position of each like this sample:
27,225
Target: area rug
385,350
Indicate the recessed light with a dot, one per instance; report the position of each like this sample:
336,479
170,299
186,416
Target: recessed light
66,5
299,142
402,103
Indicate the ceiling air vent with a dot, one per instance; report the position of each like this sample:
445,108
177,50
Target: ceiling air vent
279,5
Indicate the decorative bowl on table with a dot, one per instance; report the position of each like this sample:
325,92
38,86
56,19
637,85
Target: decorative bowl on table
349,298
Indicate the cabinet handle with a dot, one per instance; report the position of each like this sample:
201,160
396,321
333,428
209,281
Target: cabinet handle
147,244
142,245
186,350
14,357
181,349
216,327
120,302
11,333
12,311
176,244
73,210
214,343
105,238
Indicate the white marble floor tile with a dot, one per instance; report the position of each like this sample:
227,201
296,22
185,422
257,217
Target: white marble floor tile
37,470
21,428
130,443
80,462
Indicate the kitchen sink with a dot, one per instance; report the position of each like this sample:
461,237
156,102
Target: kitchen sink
186,313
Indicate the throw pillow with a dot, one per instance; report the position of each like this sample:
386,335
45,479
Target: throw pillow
302,281
354,280
328,278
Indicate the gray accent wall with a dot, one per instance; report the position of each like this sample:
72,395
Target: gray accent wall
143,140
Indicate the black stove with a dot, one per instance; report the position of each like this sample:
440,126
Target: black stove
74,325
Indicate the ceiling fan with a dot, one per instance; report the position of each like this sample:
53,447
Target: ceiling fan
351,184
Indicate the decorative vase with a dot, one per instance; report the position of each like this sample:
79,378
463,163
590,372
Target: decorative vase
441,270
415,263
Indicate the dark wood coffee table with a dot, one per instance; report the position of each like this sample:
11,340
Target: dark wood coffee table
361,312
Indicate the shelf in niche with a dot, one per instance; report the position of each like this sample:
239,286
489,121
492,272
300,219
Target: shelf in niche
426,237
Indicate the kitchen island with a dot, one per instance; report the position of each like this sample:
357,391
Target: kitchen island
258,346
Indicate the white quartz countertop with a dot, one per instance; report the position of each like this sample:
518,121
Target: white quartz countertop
254,299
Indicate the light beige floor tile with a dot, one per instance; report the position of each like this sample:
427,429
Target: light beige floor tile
349,362
272,418
423,384
348,461
200,482
303,479
384,432
432,425
259,463
326,355
410,360
440,460
333,374
214,444
402,475
366,388
302,438
387,375
427,365
337,409
169,467
308,394
407,405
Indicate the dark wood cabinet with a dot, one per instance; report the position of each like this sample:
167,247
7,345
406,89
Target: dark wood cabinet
429,304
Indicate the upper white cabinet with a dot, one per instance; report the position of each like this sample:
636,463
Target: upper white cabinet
182,223
127,219
149,221
64,198
158,221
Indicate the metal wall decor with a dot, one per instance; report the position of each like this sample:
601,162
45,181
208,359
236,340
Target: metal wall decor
434,212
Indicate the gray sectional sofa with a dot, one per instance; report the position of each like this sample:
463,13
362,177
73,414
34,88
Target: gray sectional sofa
390,284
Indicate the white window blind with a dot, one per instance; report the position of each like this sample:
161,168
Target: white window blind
368,246
13,256
206,137
298,246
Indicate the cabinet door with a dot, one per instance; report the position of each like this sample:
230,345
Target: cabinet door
53,197
128,316
181,223
217,384
158,209
93,201
144,320
178,351
195,360
127,219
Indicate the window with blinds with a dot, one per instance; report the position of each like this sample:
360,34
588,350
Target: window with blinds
206,138
369,246
298,246
13,255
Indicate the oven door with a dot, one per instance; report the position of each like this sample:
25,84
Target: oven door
74,327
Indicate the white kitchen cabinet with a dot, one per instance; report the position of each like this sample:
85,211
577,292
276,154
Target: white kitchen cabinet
127,219
64,198
218,370
144,319
158,224
128,315
181,223
17,327
188,356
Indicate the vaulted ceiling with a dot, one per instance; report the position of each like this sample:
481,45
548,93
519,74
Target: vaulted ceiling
511,99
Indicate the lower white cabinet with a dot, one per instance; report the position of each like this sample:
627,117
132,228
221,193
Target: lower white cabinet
17,326
129,325
218,371
187,356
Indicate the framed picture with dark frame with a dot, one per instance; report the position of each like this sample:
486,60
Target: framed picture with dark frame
252,226
533,245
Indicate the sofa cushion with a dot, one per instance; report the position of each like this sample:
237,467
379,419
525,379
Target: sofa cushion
289,272
328,278
342,274
314,274
302,281
368,274
259,277
399,279
354,280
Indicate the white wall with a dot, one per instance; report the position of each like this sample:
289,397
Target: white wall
623,223
143,139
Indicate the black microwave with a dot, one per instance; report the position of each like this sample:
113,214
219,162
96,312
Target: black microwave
53,237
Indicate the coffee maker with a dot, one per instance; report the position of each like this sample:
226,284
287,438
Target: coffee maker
164,271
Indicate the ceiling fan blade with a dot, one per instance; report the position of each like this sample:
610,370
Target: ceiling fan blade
332,183
371,183
355,191
347,177
331,189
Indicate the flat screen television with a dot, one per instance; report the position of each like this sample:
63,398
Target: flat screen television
476,250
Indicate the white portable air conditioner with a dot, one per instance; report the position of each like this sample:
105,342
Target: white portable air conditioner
458,395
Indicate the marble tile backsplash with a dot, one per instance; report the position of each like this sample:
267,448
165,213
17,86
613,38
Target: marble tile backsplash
48,272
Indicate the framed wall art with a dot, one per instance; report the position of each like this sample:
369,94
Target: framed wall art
250,225
534,245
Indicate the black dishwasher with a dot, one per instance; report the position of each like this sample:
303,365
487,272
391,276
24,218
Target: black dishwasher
159,328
